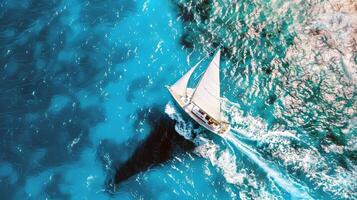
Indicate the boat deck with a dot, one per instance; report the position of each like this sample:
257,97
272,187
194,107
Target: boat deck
224,126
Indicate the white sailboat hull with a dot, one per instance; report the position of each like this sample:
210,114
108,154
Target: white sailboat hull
189,108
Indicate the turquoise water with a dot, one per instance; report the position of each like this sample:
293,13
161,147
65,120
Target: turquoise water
84,113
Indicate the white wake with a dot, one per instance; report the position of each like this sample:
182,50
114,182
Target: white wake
288,186
225,159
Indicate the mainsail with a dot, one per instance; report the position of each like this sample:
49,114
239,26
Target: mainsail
207,93
181,85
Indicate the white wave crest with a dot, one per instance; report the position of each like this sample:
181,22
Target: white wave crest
181,127
224,160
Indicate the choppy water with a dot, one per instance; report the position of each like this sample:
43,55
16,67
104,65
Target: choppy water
83,104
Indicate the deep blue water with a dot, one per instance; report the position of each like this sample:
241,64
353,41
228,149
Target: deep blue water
84,113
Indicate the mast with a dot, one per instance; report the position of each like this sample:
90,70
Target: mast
207,93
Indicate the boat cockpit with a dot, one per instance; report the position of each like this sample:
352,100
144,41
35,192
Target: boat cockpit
205,117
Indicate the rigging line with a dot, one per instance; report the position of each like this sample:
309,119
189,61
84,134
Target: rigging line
205,70
209,53
198,63
188,58
199,76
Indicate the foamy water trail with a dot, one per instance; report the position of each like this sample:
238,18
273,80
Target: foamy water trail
228,166
288,186
181,126
206,148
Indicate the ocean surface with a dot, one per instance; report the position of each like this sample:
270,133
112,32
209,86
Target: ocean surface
84,113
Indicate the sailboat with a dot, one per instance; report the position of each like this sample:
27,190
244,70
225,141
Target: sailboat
202,103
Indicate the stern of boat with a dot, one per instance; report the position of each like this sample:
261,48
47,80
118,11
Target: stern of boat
225,128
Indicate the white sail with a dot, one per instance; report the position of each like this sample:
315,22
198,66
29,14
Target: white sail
207,93
180,86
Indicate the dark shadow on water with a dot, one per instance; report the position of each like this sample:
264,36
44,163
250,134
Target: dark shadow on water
162,143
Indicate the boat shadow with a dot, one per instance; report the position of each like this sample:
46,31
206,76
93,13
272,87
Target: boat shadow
161,144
